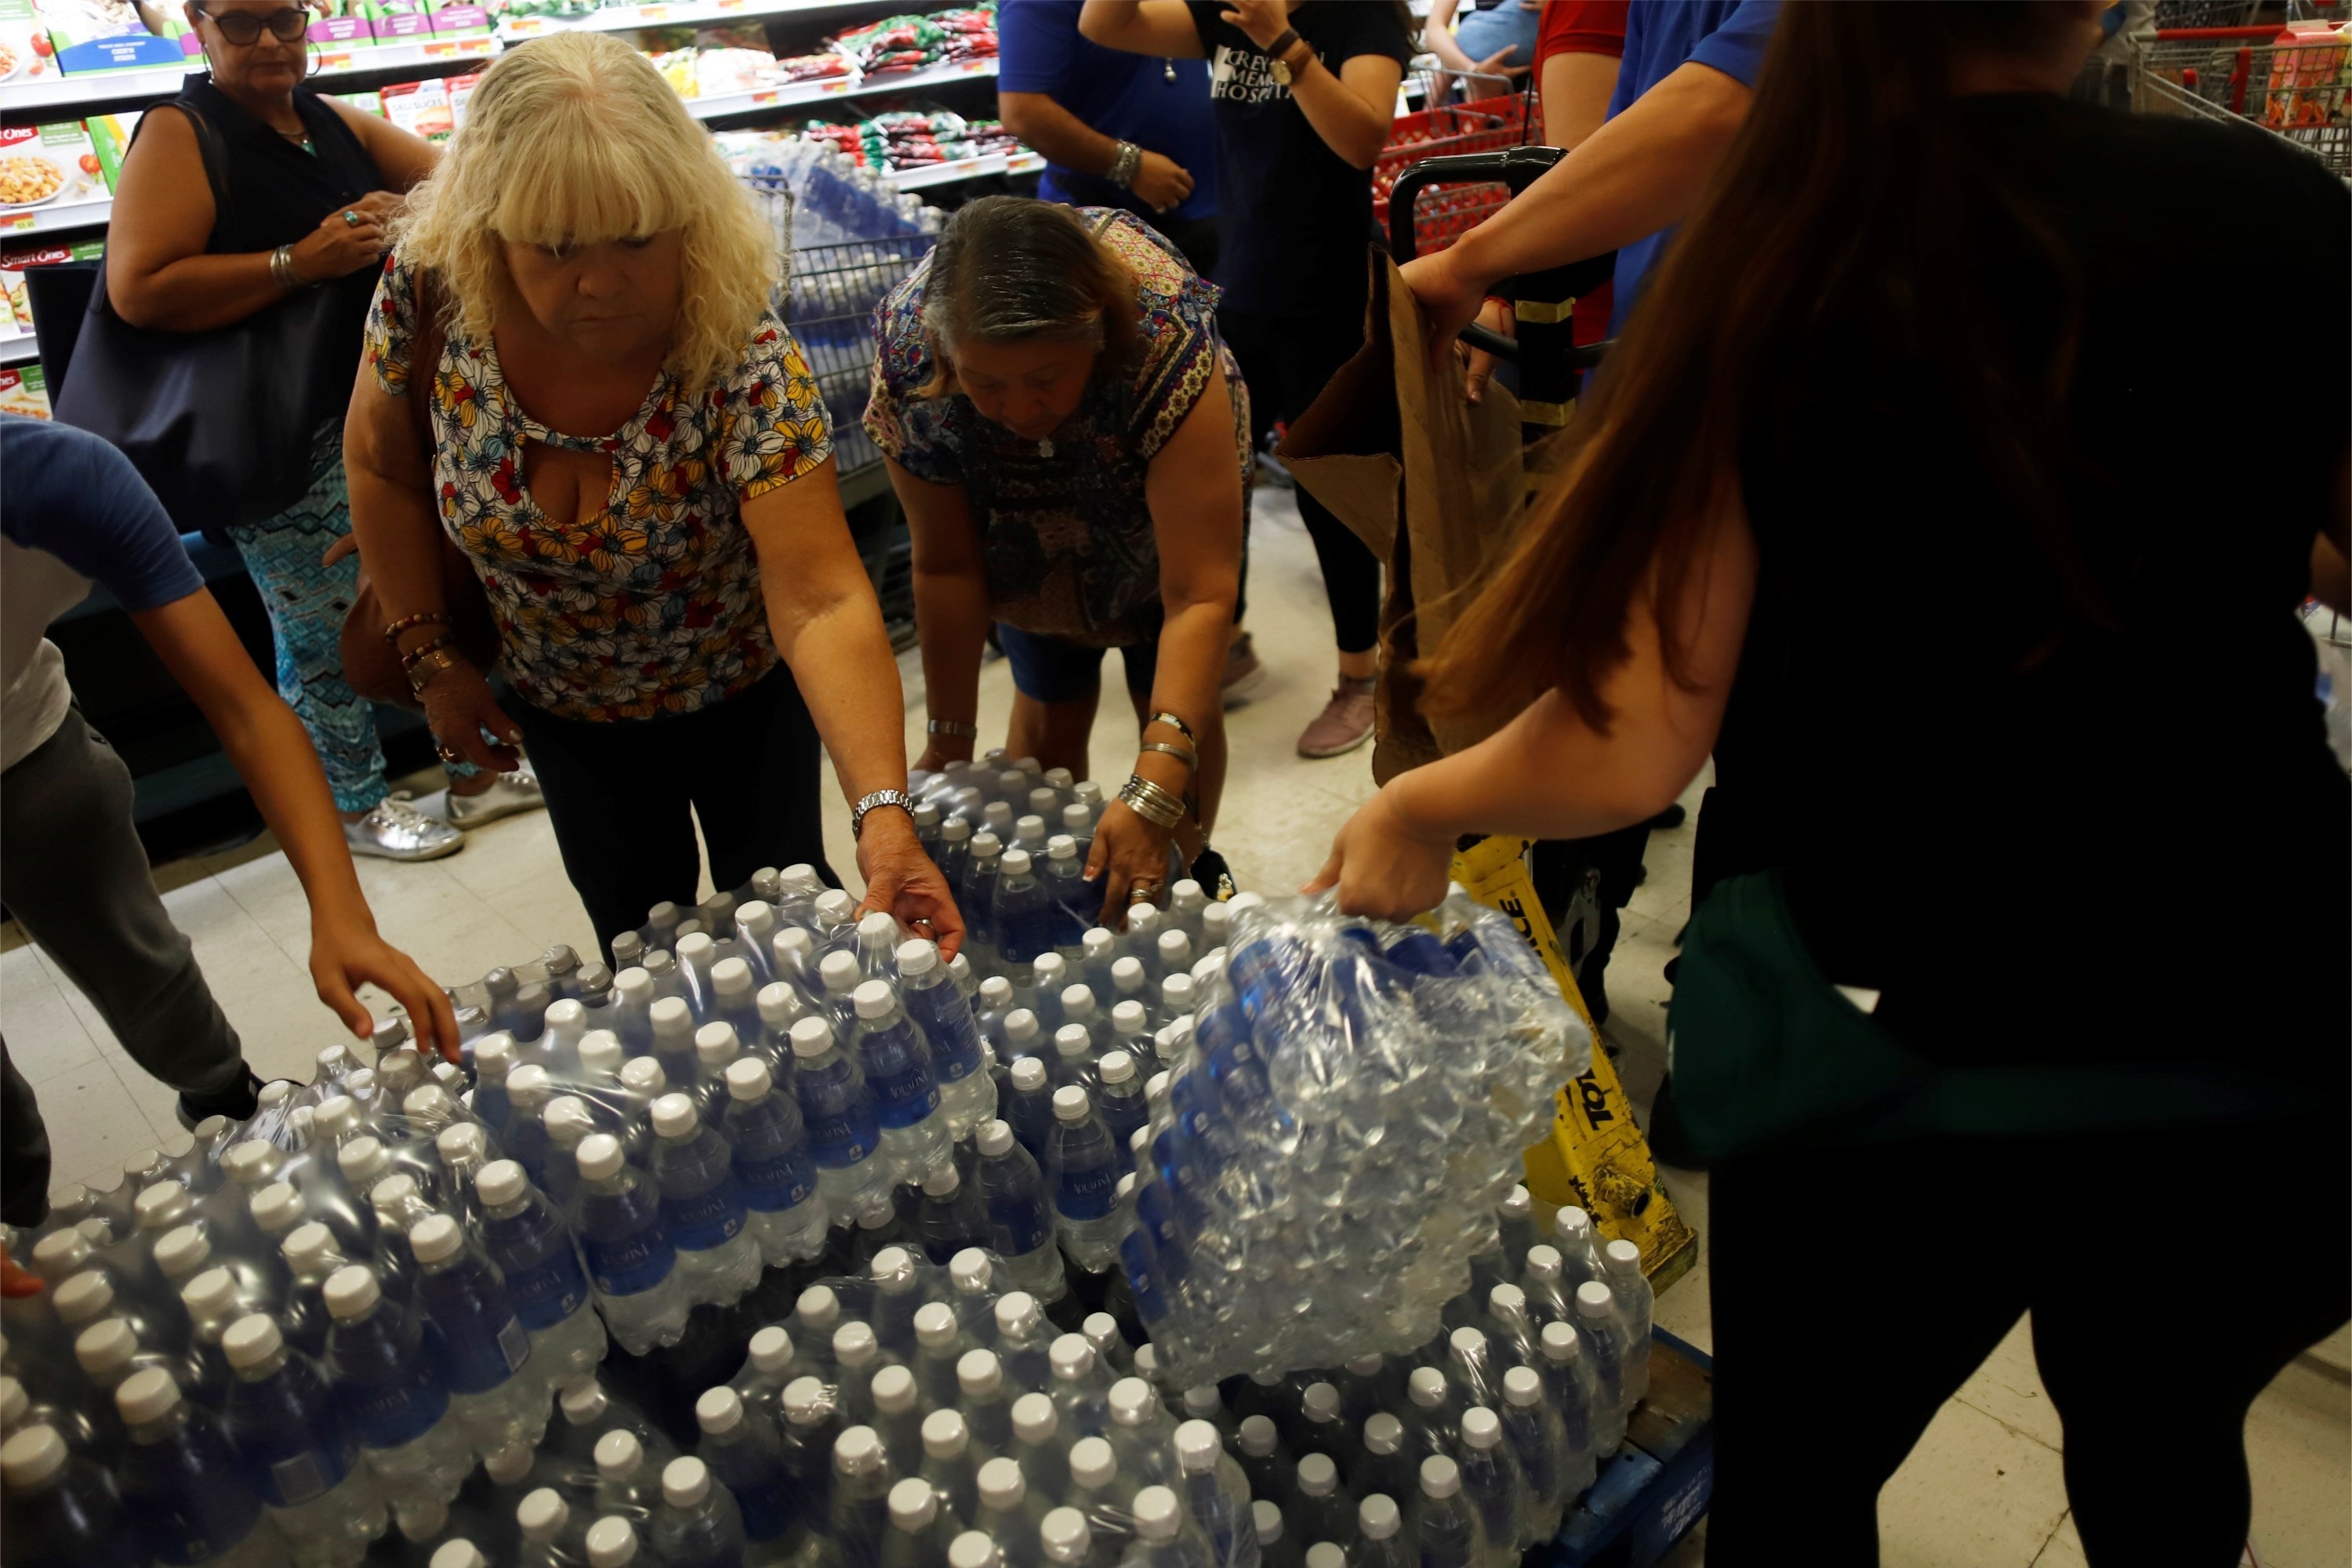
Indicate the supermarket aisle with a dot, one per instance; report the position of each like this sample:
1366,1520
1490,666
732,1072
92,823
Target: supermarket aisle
1983,1490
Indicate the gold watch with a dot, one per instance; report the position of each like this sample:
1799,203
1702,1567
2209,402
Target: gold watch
1282,71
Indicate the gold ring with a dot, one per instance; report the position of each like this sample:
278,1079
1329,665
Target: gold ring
1143,890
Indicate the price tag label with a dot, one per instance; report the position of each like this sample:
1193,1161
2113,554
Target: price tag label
524,27
22,223
335,62
765,96
1023,162
975,68
834,85
651,14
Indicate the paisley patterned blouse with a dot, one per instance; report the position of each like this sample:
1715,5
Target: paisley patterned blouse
654,606
1067,538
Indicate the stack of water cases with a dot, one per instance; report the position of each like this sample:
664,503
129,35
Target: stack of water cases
793,1242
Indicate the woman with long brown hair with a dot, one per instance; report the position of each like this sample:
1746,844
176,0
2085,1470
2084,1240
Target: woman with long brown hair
1877,503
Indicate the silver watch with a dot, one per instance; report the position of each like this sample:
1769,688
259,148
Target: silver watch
897,797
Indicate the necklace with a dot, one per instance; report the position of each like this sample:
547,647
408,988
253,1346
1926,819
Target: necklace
1046,448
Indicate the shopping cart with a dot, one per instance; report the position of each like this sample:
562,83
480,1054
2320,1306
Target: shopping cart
2294,89
1497,115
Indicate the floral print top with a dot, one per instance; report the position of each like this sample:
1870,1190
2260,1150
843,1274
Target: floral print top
654,606
1067,538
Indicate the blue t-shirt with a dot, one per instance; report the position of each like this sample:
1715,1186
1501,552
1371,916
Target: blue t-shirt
1661,37
1129,98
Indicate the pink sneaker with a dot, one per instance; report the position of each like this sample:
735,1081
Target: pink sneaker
1344,723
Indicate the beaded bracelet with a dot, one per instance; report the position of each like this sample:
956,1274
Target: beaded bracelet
410,623
408,660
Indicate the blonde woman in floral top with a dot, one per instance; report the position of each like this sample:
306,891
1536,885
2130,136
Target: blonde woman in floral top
628,448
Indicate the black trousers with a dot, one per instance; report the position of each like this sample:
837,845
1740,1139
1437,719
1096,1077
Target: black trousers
1286,361
2165,1295
624,798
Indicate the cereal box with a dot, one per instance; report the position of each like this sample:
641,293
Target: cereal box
25,52
15,263
48,167
91,36
421,108
25,390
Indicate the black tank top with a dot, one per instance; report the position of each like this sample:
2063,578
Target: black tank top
277,192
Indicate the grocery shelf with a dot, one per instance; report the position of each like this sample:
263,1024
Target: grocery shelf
722,105
18,347
622,18
47,220
82,92
929,175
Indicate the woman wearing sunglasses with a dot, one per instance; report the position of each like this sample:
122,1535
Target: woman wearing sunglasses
311,185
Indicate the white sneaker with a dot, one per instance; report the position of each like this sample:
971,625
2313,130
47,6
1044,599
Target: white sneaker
396,830
512,795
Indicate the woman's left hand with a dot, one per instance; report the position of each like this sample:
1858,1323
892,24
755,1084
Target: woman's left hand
1263,20
1381,868
1126,851
346,953
901,880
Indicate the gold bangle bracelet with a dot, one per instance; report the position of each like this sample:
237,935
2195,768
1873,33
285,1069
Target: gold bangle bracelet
1190,759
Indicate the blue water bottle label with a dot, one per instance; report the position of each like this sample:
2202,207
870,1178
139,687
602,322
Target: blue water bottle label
514,1344
772,1185
627,1265
767,1510
1087,1193
297,1479
548,1292
1017,1226
838,1139
705,1220
399,1410
904,1096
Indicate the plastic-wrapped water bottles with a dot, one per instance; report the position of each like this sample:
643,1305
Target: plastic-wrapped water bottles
843,1132
181,1483
292,1442
897,1068
773,1168
967,1093
718,1258
1082,1170
631,1262
392,1392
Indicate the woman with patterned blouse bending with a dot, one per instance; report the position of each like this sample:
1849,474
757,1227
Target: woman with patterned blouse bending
628,450
1070,441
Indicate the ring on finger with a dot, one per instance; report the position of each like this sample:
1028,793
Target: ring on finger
350,218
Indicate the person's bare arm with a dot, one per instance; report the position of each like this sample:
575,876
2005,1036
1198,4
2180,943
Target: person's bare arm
1641,172
405,157
1550,774
1041,122
827,627
1162,27
952,607
1577,86
1350,111
272,752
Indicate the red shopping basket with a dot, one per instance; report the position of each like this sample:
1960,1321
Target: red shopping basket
1444,213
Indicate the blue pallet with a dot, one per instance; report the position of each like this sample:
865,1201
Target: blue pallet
1643,1502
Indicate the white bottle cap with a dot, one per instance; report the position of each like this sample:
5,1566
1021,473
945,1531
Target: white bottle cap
771,1350
1543,1262
182,1251
812,1036
935,1325
1147,1362
695,948
1366,1365
392,1193
1256,1437
971,1271
731,976
1128,1019
1142,920
1376,1515
1092,1463
1440,1477
1468,1342
1318,1475
1051,972
618,1454
61,1252
747,1079
979,1373
435,1238
674,1116
802,880
1197,1446
500,1183
1014,862
599,1156
1034,1419
817,1308
458,1553
1071,1356
644,1076
210,1295
671,1018
1265,1379
1384,1433
1593,1300
804,1401
460,1142
685,1482
945,1436
714,1046
251,1164
1016,1313
1521,1387
1064,1534
779,1005
1175,950
1427,1387
1321,1402
1072,1040
917,957
582,1401
995,1138
494,1053
1132,1403
1070,1103
307,1243
352,1290
874,999
528,1087
542,1515
146,1394
1002,1484
912,1505
162,1205
1621,1258
1481,1428
1117,1067
840,972
974,1549
1157,1519
894,1391
105,1348
84,1297
1572,1226
879,923
31,1457
719,1409
1126,974
857,1451
613,1541
1558,1341
792,947
1061,846
508,1465
13,1402
854,1345
1202,1400
1268,1520
995,991
1028,1072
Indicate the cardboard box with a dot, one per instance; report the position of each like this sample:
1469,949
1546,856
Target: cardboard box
25,390
109,138
342,24
460,20
49,167
25,53
365,103
90,36
399,21
461,92
15,263
421,108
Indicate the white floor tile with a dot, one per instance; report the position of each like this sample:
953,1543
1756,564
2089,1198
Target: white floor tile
1974,1494
45,1035
2008,1387
94,1123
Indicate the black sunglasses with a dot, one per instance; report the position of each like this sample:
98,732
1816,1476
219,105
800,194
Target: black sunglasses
243,28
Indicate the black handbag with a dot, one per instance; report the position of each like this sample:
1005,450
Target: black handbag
219,423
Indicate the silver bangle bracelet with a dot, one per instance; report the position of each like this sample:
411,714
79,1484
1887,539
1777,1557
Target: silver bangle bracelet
1125,166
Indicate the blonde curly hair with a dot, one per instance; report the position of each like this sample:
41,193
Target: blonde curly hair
575,138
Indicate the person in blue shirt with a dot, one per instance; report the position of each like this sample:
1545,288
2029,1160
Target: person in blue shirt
75,513
1117,130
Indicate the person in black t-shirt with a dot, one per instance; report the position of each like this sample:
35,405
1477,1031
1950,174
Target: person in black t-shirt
1881,501
1302,93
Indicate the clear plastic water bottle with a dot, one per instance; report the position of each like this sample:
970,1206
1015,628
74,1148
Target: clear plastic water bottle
976,896
897,1068
496,1398
550,1537
951,1216
61,1507
1029,1108
1083,1170
1101,1493
1541,1283
716,1048
1177,996
611,1543
1608,1346
845,1133
987,1403
698,1524
718,1258
1216,1494
391,1393
920,1528
877,946
1538,1444
1381,1465
745,1455
300,1457
1572,1388
1257,1448
810,1426
967,1094
533,1249
181,1483
783,1213
1621,1263
1578,1247
1081,1387
1073,901
1011,1510
632,1264
625,1483
949,1467
1074,1059
1446,1525
898,1416
1381,1539
862,1480
1121,1103
1491,1484
1322,1510
1026,921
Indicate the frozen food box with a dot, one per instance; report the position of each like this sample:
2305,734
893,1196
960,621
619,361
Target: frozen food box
421,108
25,390
343,22
13,264
109,138
457,20
47,168
92,35
25,53
461,92
365,103
394,21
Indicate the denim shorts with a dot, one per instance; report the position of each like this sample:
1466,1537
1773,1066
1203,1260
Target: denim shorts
1507,26
1056,670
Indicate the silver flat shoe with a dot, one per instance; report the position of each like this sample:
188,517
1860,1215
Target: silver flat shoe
511,795
396,830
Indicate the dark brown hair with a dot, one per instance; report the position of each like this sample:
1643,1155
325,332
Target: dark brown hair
1847,190
1009,269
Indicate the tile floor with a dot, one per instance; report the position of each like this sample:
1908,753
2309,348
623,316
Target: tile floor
1982,1490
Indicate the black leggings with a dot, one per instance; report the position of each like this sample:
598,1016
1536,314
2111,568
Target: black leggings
623,797
1286,360
2164,1296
